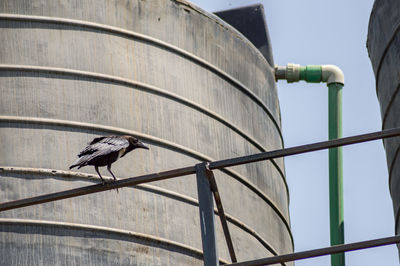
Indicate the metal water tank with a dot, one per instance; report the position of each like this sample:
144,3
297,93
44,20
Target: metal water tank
180,79
384,50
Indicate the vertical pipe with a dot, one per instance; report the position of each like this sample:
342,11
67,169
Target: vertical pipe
336,172
206,208
334,77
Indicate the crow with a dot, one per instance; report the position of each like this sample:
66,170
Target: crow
104,151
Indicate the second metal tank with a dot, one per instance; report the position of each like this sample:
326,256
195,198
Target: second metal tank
384,50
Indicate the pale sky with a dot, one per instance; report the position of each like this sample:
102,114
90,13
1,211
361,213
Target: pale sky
329,32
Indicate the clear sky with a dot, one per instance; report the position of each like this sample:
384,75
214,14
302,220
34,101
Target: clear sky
329,32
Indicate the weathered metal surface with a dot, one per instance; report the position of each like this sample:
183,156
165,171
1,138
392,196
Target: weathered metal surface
384,51
215,89
107,235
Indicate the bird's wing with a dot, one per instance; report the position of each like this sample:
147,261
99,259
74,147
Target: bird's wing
105,145
95,140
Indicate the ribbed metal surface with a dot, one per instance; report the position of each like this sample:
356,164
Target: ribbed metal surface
166,71
384,51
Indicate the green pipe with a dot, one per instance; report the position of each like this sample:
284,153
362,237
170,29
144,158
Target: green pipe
333,76
336,172
311,73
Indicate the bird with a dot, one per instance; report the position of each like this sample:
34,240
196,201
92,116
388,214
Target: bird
103,151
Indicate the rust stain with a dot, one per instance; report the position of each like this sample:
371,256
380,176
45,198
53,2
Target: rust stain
143,249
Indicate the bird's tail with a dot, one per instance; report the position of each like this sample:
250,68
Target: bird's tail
79,163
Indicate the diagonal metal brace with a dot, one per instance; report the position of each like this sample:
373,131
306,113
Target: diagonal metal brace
221,213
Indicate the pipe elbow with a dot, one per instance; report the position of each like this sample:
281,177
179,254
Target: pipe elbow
310,73
332,74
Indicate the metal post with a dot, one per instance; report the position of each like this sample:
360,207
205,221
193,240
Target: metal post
206,208
336,172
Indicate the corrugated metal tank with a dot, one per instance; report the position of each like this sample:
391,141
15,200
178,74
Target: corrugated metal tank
175,76
384,51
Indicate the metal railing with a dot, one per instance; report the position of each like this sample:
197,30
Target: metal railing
207,187
321,251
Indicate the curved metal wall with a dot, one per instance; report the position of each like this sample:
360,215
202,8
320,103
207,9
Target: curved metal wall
384,49
165,71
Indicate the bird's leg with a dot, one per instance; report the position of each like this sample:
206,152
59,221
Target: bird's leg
97,170
109,170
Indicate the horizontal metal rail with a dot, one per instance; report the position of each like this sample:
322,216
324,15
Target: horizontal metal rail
388,133
191,169
321,251
96,188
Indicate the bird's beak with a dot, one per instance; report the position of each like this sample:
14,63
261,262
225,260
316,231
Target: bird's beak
142,145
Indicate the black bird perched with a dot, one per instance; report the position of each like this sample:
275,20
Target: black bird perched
104,151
